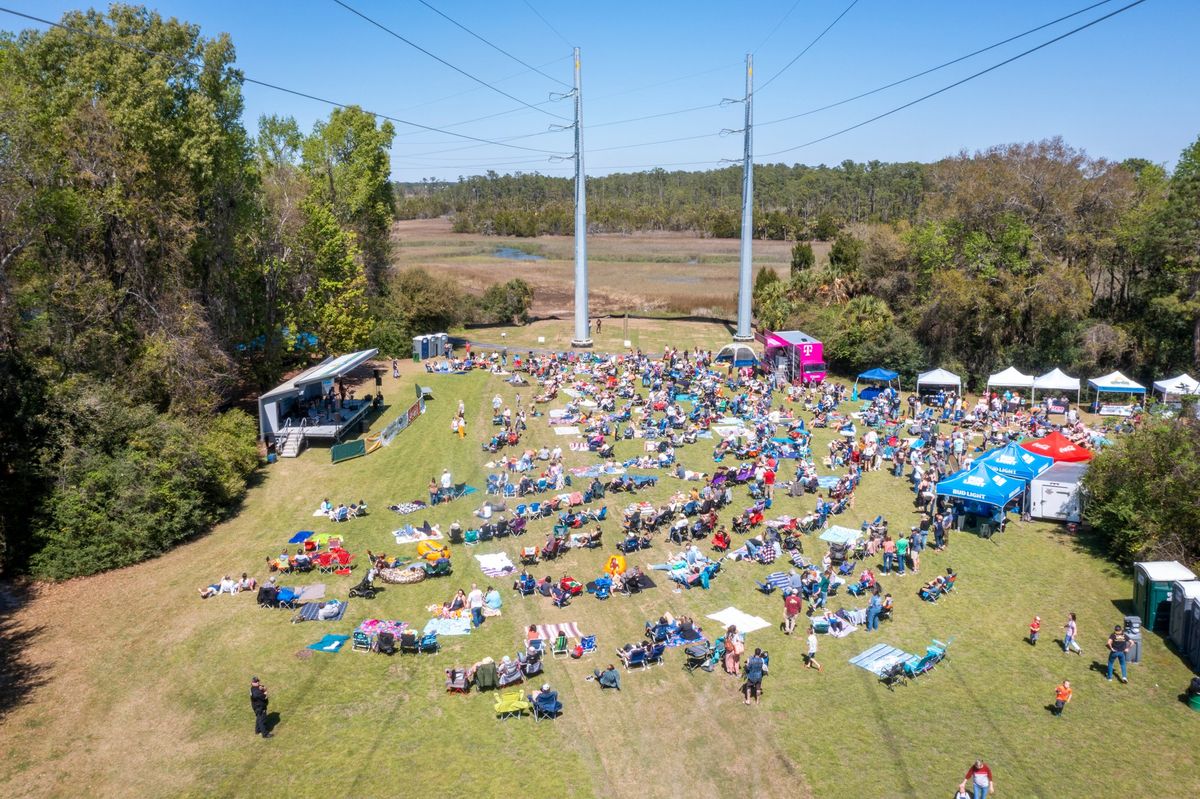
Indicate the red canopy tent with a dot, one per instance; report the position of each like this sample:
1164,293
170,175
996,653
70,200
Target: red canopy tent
1059,447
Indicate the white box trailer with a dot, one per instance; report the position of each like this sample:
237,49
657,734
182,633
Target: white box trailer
1056,493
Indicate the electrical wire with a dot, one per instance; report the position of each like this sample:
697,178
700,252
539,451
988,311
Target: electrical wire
820,36
932,69
777,26
243,78
654,116
495,47
980,73
443,61
477,88
546,22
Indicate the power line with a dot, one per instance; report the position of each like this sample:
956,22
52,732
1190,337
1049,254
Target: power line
546,22
443,61
820,36
656,116
495,47
243,78
646,86
982,72
782,20
428,103
935,69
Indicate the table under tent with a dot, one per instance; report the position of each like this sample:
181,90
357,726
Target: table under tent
740,355
938,379
984,493
877,376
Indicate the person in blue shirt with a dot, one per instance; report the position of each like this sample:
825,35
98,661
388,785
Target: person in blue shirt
756,669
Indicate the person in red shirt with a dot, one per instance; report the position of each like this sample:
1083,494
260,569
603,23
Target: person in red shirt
792,605
769,481
980,778
1035,627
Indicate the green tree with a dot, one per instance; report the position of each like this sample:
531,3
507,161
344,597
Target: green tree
1181,224
766,276
506,303
334,304
826,227
802,257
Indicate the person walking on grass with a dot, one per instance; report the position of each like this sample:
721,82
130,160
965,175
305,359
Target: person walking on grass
1035,627
1070,629
810,660
258,703
980,778
756,669
462,426
475,603
1062,695
792,605
1118,644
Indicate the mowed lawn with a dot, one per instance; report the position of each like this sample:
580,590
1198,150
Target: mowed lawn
144,687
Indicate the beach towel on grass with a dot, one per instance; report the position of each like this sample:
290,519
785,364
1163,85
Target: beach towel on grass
828,481
405,508
570,430
412,535
330,643
644,582
300,537
310,612
447,627
879,658
319,512
777,580
496,564
744,621
549,632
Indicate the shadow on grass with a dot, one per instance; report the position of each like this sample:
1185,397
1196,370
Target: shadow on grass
18,676
272,721
1090,543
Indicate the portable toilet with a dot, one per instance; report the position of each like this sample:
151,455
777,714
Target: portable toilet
1183,594
1191,649
1152,581
420,348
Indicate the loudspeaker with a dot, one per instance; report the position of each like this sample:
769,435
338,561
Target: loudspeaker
378,378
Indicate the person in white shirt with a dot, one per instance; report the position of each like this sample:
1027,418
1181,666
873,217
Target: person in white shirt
475,603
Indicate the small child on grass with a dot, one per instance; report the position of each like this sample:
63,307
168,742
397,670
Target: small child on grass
1035,627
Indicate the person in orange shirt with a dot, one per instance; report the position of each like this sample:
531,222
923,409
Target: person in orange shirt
1062,695
1035,627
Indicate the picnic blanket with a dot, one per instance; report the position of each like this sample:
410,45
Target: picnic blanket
496,564
568,430
881,657
572,393
405,508
411,535
374,627
599,470
744,621
310,610
549,632
319,512
447,627
644,582
310,593
776,580
684,398
828,481
329,643
300,537
841,535
640,480
578,446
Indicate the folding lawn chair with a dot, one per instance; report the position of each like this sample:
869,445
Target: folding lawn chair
559,648
587,644
361,642
511,704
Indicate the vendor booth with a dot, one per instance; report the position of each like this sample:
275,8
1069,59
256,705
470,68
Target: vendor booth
794,355
1058,447
877,375
299,409
1173,388
1115,383
939,378
1056,381
1009,378
984,493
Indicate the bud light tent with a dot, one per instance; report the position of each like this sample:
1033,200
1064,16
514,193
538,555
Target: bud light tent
1013,461
982,485
739,355
877,375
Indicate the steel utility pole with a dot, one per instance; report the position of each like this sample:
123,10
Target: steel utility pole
583,336
746,266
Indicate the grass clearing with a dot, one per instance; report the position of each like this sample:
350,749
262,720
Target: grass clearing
145,686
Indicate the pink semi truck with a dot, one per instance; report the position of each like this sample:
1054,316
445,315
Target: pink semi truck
794,354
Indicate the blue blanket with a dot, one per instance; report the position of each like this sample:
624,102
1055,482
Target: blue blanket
448,627
640,480
828,481
300,537
879,657
309,611
330,643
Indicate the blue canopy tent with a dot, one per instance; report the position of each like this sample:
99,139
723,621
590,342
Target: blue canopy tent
877,375
1015,461
980,487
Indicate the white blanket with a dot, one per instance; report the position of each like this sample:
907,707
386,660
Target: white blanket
744,621
566,431
495,562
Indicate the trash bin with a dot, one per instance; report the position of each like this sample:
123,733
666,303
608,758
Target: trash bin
1133,629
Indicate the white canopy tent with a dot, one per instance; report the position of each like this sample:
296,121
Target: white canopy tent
1179,386
1010,378
1057,380
1116,383
939,377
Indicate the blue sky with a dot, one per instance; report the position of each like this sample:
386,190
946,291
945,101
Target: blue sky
1125,87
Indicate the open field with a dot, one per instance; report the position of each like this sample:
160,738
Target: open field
674,272
138,688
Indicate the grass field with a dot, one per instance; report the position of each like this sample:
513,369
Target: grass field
674,272
138,688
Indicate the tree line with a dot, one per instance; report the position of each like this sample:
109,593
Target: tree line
157,263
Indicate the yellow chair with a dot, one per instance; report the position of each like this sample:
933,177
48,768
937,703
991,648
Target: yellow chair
511,703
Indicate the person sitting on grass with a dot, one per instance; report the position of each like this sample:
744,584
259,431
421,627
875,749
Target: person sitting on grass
609,678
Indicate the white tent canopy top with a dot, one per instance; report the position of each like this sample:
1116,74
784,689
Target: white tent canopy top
1180,385
938,377
1010,378
1118,383
1056,380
